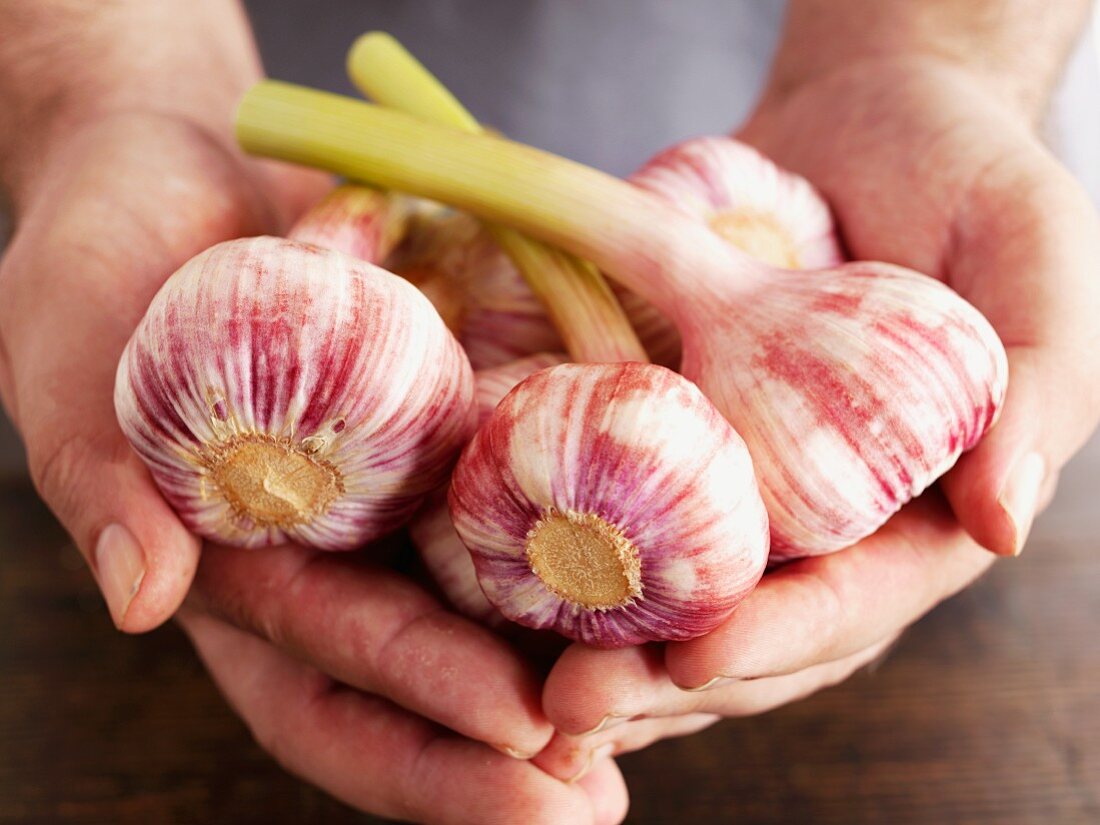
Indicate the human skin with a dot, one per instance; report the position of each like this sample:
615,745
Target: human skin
918,123
118,164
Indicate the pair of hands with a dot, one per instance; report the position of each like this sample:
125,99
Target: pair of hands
355,676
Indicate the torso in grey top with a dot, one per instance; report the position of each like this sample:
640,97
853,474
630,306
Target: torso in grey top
606,82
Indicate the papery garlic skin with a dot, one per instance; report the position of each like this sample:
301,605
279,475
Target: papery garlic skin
448,256
485,301
442,551
854,390
281,392
360,221
657,333
611,503
769,213
448,561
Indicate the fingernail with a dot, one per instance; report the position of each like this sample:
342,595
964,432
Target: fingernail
120,567
1020,497
608,722
594,756
717,681
515,753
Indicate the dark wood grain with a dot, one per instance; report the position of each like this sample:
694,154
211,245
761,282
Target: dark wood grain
987,712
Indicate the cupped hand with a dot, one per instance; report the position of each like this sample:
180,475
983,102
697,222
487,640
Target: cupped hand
353,675
925,168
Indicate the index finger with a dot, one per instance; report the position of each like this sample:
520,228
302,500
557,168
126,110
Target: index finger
825,608
378,757
379,631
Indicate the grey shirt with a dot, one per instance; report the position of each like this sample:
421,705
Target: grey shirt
606,82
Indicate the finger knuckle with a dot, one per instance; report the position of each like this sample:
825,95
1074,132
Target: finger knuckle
242,589
61,471
826,601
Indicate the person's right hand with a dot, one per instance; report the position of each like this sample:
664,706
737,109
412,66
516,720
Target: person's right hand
351,675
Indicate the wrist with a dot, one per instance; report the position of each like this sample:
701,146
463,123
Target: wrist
69,67
870,77
1013,49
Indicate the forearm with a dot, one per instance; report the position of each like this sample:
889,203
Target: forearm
1017,47
66,62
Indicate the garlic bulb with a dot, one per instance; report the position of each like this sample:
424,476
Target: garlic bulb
474,287
281,392
773,215
447,256
611,503
442,551
357,220
854,387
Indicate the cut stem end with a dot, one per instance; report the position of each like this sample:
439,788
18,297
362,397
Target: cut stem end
272,482
585,560
758,234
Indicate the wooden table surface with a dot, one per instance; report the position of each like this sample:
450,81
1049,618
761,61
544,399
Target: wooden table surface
988,711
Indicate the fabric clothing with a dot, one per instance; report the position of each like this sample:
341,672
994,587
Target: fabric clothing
605,82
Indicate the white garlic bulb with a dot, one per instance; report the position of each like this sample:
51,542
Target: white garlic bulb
281,392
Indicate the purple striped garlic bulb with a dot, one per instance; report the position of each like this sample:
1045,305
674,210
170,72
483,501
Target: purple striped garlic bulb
442,551
854,389
360,221
771,214
767,212
611,503
447,256
281,392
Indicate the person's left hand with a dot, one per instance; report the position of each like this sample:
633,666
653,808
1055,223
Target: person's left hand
807,625
924,168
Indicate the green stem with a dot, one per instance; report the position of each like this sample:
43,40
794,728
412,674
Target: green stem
646,245
386,71
578,300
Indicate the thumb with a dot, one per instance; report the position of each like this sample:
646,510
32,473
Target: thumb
60,342
58,385
142,557
1027,256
